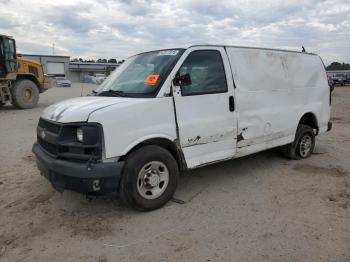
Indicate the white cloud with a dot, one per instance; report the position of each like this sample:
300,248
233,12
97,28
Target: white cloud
118,29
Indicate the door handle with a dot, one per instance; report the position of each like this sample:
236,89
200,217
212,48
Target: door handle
231,103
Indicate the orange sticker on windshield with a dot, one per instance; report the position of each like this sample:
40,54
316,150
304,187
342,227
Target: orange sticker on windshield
151,80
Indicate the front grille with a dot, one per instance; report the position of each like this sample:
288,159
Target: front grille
49,126
45,128
50,148
59,141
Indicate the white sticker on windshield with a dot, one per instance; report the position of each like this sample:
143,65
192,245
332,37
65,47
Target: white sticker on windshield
168,52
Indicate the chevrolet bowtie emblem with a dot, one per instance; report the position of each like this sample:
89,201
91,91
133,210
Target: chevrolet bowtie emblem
43,134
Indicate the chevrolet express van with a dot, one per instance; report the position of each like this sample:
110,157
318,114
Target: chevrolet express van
165,111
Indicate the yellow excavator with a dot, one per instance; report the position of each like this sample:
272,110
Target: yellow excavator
21,80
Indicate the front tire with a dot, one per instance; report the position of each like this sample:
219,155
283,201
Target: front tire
25,94
149,179
303,145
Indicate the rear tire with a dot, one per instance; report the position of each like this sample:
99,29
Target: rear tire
25,94
303,145
149,178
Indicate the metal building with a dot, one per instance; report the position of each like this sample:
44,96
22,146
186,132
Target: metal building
52,64
78,70
56,65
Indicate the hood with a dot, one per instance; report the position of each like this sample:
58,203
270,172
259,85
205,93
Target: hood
79,109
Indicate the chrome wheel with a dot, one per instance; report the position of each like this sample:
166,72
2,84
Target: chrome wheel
305,145
152,180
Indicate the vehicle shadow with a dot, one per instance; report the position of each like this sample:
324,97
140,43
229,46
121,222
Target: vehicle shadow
104,217
193,182
224,174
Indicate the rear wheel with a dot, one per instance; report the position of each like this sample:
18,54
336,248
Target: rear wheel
25,94
149,178
303,145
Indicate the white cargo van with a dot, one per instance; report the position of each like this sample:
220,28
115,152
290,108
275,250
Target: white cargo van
165,111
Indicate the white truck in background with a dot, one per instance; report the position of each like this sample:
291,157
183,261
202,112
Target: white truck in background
99,78
170,110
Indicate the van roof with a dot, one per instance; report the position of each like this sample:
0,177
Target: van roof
232,46
254,47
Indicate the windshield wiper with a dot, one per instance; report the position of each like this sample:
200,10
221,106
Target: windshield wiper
111,93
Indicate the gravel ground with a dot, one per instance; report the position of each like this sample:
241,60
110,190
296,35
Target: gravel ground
258,208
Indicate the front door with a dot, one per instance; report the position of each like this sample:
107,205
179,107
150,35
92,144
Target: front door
205,113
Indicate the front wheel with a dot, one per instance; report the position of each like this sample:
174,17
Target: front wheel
149,178
303,145
25,94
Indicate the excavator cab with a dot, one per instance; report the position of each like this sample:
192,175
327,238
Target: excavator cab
8,63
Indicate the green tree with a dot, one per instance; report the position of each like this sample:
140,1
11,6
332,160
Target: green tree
338,66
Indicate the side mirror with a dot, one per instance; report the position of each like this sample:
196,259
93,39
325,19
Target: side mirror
182,80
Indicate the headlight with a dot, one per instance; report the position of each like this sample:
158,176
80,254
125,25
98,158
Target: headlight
80,135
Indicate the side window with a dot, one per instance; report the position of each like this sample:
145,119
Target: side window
10,55
206,71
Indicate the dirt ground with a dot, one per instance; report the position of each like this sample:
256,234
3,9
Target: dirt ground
258,208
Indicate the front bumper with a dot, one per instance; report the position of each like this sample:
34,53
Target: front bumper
98,178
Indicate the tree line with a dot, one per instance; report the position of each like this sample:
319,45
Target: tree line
100,60
338,66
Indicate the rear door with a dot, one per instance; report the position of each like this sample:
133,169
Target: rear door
206,119
55,68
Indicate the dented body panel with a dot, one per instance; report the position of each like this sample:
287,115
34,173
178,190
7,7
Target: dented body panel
207,128
268,92
274,90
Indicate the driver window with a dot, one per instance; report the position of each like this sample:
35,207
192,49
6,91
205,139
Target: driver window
206,71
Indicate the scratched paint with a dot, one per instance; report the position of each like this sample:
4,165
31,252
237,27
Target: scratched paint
200,140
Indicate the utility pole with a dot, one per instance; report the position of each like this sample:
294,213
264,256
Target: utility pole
53,49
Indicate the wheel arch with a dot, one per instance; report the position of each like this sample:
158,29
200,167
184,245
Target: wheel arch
309,119
173,146
32,78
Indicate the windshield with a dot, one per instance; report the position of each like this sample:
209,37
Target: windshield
141,75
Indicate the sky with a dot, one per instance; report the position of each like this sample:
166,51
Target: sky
118,29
